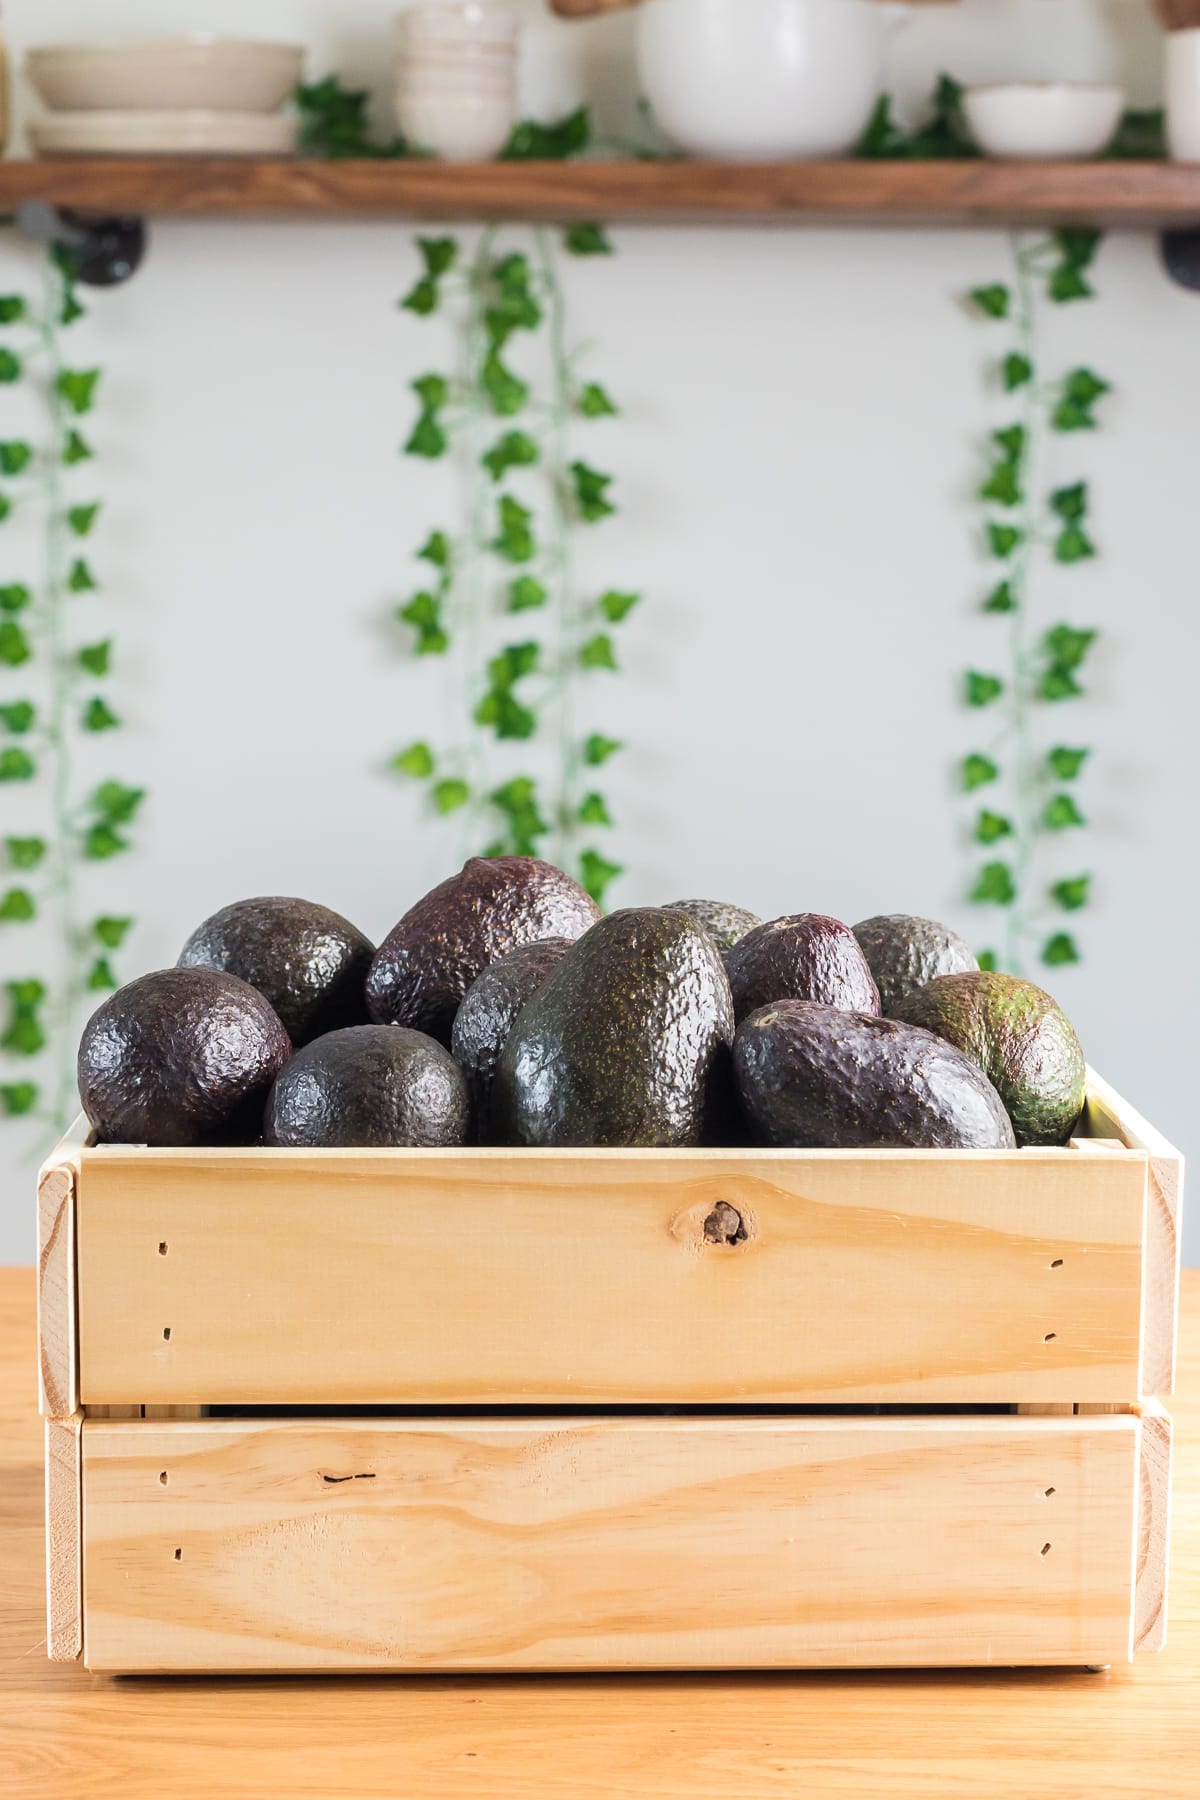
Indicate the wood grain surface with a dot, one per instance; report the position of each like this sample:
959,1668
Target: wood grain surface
620,1543
58,1390
1023,1735
298,1277
1157,194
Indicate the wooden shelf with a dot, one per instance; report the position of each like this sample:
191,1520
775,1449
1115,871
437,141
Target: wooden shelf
1145,194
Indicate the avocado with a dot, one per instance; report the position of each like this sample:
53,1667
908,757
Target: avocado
183,1056
1021,1039
309,962
726,925
817,1076
626,1042
428,961
904,953
488,1013
369,1085
804,957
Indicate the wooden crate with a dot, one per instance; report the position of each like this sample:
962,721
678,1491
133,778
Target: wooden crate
611,1406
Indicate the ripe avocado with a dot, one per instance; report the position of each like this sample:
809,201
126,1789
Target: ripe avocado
904,953
804,957
487,1015
309,962
428,961
816,1076
183,1056
1021,1039
726,925
369,1085
626,1042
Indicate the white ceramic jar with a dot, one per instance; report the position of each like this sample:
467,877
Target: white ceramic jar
764,79
456,79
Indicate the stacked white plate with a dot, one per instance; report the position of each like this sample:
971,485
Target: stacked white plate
193,96
456,78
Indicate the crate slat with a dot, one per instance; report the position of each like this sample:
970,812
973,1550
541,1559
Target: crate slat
64,1539
267,1278
611,1543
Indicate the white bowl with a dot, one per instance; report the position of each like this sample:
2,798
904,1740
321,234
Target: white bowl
140,132
457,127
1060,120
196,73
441,81
466,22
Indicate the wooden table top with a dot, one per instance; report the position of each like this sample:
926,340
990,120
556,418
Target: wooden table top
68,1735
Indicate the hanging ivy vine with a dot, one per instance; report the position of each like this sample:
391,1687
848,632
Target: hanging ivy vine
1023,772
57,670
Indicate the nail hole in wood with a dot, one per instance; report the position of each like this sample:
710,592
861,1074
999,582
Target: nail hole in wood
1047,1493
162,1476
179,1554
1045,1551
724,1225
162,1249
1049,1337
1057,1263
166,1334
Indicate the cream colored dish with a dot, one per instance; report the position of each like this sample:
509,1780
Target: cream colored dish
144,133
193,73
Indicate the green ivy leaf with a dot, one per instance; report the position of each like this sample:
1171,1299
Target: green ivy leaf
12,308
514,539
432,641
18,1098
1012,441
432,391
17,905
1001,599
1003,485
1070,503
591,492
586,240
526,593
421,298
990,827
515,450
977,771
616,605
436,550
26,994
534,142
987,960
14,645
82,518
993,300
450,793
1073,545
509,718
78,388
1017,371
1061,813
514,661
24,1036
100,976
99,716
597,749
1057,683
598,652
1066,764
15,456
1077,396
25,852
14,597
982,690
416,761
96,658
10,366
80,579
994,885
438,254
427,438
597,874
423,610
101,841
1068,646
593,810
1072,893
517,800
110,931
76,449
1068,284
1003,539
17,716
1077,245
506,392
1060,949
116,803
594,402
5,506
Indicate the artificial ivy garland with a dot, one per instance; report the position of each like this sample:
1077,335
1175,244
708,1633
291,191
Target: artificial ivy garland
1034,779
47,632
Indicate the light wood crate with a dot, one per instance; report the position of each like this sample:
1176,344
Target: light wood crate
608,1409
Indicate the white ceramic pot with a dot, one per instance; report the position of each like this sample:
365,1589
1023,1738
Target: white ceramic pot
1183,95
764,79
457,127
214,74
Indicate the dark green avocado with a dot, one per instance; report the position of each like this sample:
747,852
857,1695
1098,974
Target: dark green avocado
183,1056
370,1085
810,1076
726,925
309,962
626,1042
905,952
487,1015
428,961
1021,1039
804,957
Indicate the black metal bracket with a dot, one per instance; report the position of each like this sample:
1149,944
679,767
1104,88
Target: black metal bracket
103,249
1181,257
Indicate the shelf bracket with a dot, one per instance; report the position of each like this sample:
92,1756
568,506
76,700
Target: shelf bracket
1181,257
105,248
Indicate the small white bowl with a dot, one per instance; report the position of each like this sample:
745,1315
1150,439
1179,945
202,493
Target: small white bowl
468,21
457,127
204,74
1055,120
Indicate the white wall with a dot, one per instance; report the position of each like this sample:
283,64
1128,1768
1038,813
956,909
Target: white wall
795,460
